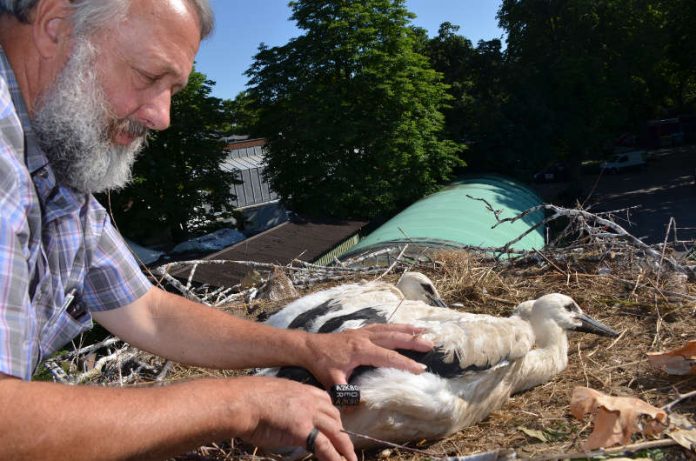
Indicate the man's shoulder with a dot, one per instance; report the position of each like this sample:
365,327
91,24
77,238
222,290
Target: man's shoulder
13,172
6,105
15,181
12,169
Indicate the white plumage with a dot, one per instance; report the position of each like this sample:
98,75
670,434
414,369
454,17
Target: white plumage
349,298
478,362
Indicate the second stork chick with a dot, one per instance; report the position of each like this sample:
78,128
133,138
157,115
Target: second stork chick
356,304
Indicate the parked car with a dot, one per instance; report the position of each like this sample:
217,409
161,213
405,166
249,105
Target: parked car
625,161
552,173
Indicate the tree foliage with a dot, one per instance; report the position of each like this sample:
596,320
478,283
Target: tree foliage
178,186
476,78
574,75
351,111
585,68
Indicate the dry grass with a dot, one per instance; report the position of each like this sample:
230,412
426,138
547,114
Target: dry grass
648,308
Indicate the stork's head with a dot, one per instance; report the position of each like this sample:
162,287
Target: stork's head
417,287
566,313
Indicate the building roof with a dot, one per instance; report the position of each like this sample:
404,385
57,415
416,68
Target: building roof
299,238
453,217
246,158
245,144
243,163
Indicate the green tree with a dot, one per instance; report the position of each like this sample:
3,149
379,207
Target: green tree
584,71
680,17
351,110
178,186
243,113
477,83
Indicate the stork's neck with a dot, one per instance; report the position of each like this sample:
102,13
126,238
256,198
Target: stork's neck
548,359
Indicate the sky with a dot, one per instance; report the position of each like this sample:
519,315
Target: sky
241,25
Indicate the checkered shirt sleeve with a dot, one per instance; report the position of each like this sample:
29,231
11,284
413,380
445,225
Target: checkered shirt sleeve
15,326
114,278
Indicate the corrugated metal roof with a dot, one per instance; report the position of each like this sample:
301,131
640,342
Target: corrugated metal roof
249,163
243,163
248,151
304,239
451,217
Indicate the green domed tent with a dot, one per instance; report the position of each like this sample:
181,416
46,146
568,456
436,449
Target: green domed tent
453,217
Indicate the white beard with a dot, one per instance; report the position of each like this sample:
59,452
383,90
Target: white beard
74,126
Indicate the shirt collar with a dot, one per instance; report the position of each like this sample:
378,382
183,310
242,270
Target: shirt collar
57,200
35,158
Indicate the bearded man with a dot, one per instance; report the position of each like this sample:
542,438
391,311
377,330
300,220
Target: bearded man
81,84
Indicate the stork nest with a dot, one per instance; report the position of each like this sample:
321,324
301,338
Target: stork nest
653,310
653,306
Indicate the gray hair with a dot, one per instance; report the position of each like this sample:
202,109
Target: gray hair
91,15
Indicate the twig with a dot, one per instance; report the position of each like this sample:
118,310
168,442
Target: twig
680,398
398,259
87,349
582,363
664,248
617,339
560,271
622,365
390,444
57,372
190,277
626,449
165,369
91,374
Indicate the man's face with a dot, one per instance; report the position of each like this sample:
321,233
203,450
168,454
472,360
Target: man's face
116,86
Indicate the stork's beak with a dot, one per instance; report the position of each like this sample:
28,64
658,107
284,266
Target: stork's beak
590,325
436,301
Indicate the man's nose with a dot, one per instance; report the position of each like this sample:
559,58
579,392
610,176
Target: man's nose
155,113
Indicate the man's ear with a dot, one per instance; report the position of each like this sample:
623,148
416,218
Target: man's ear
52,27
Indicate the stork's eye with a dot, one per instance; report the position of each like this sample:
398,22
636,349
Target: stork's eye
568,307
428,288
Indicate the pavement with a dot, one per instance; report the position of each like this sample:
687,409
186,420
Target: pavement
665,189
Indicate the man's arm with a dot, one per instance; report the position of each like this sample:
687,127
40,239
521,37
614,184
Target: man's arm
174,327
58,422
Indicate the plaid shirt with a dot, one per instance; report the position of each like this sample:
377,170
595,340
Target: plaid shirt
52,240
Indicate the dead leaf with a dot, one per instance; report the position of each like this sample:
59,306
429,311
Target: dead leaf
616,419
680,361
682,431
533,433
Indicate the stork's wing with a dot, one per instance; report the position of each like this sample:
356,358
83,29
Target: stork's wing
473,343
312,311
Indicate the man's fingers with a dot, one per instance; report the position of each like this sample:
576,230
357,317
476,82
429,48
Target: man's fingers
400,327
331,443
335,376
398,340
318,393
392,359
324,449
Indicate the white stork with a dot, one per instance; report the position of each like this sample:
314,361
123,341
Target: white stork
478,362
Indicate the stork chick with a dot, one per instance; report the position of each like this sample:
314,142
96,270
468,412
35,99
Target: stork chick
352,297
478,362
417,287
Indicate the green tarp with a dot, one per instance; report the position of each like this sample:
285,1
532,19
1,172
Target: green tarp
454,217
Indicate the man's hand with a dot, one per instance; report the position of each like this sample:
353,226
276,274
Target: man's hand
333,357
161,422
282,413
